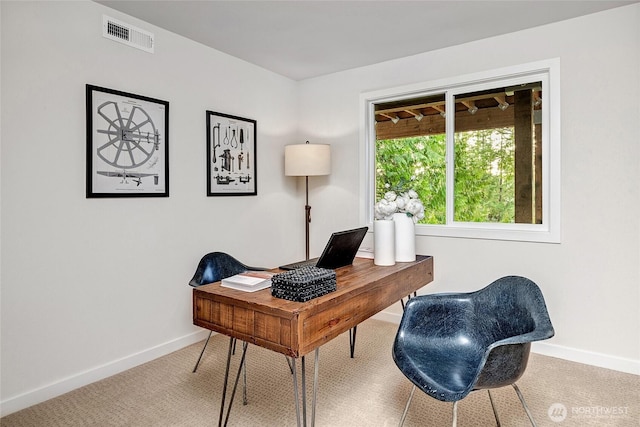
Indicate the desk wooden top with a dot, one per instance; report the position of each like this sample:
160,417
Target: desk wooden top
297,328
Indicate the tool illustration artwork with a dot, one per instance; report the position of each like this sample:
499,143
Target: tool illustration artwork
127,146
230,150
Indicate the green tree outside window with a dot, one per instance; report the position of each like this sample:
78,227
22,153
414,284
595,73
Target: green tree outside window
484,174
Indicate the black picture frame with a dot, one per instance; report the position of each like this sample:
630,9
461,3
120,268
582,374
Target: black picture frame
231,155
127,144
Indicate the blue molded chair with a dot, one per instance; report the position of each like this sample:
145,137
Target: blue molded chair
213,267
451,344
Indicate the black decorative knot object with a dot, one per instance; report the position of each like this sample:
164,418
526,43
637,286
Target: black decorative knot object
303,284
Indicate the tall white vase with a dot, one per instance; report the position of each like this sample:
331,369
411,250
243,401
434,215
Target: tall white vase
405,237
384,249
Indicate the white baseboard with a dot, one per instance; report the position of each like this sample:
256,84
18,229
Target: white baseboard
49,391
600,360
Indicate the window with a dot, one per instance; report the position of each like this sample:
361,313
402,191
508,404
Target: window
481,151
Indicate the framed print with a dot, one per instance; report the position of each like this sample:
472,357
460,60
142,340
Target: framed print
127,144
231,155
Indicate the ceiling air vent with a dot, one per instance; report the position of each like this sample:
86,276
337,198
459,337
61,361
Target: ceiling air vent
127,34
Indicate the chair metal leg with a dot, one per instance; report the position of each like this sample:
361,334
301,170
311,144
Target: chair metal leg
352,339
454,423
406,408
202,352
524,405
493,406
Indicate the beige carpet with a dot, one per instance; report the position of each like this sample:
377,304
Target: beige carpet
366,391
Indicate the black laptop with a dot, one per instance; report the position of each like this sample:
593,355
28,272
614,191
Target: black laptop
341,249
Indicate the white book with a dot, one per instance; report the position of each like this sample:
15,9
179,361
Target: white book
249,281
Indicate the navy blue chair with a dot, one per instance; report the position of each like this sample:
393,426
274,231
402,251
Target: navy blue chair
214,267
451,344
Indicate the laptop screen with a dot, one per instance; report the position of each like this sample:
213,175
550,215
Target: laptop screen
342,248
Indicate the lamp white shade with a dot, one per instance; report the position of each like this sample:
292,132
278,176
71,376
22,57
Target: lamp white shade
307,159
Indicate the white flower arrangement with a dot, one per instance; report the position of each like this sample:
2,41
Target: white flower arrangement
407,202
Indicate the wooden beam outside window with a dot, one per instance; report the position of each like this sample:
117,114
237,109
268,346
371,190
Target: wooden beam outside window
489,118
524,168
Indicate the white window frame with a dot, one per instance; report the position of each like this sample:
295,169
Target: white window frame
548,72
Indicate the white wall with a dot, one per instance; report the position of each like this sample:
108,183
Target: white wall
591,280
90,287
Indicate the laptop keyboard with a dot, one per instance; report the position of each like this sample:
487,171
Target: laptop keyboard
296,265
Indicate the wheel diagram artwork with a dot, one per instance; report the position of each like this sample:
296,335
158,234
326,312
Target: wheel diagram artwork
126,144
132,138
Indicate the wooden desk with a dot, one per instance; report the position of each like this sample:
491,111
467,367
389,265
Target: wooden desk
297,328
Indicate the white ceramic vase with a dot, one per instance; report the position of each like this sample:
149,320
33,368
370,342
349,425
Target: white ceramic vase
405,237
384,249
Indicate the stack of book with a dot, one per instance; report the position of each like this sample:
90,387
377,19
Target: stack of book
249,281
303,284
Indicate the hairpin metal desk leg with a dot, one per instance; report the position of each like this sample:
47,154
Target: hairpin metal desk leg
295,390
304,393
302,418
415,294
224,385
289,363
235,384
315,387
352,339
195,368
244,384
226,380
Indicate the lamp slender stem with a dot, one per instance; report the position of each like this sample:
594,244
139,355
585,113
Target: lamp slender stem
307,209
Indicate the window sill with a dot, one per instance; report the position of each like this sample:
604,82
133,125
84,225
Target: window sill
510,232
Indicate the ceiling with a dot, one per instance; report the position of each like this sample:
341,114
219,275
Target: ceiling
304,39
